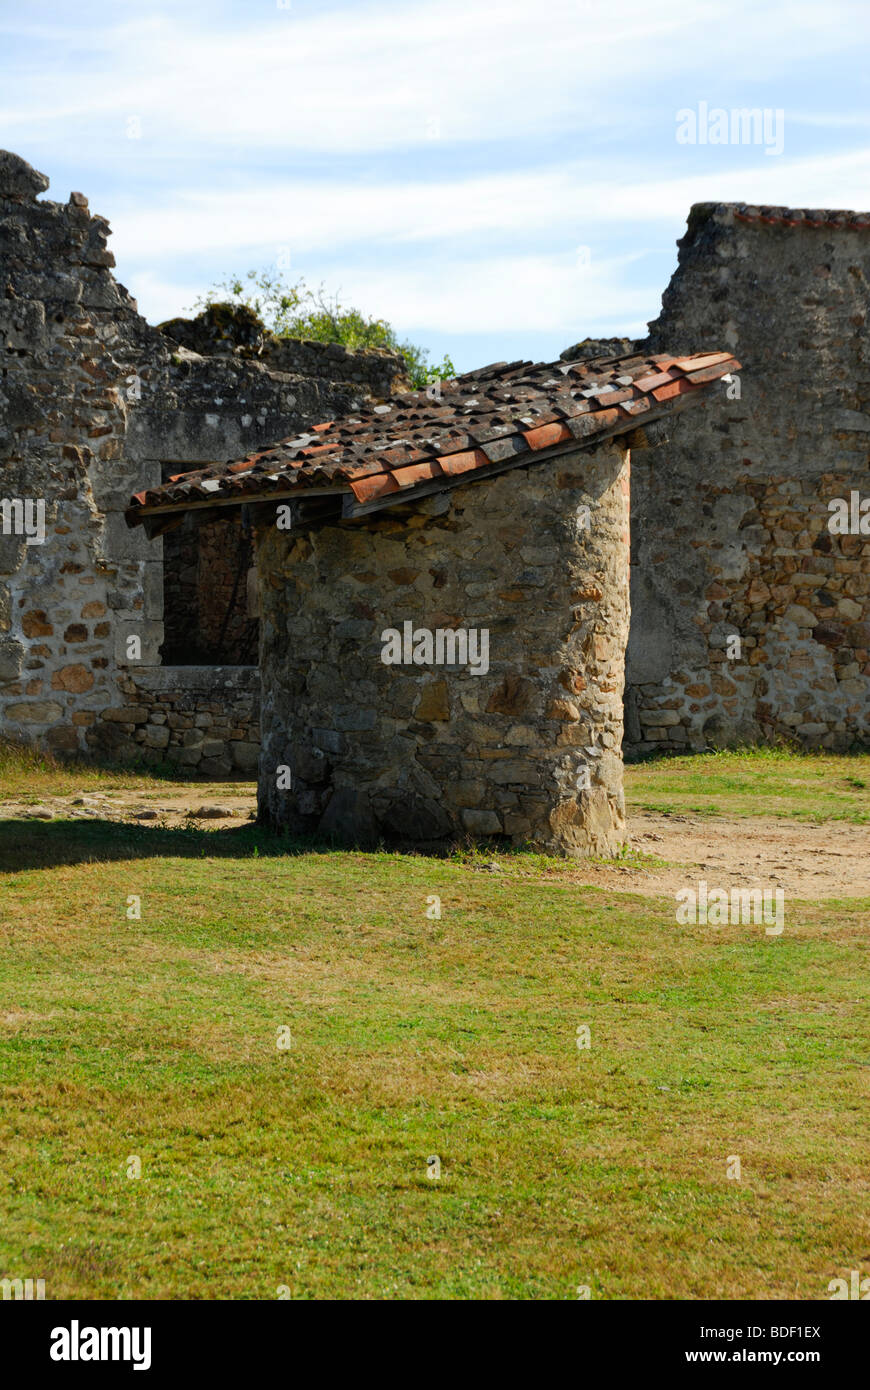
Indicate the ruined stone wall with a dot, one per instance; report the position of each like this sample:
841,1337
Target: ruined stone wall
730,533
94,404
70,336
426,752
228,328
209,722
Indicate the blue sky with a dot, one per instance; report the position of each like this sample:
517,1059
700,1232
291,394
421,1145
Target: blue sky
498,179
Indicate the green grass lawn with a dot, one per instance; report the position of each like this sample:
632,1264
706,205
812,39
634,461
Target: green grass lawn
306,1167
812,787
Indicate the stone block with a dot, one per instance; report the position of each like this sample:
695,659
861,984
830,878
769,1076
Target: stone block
245,756
185,757
125,714
75,678
37,712
216,767
480,822
11,659
349,819
150,637
433,703
121,544
661,718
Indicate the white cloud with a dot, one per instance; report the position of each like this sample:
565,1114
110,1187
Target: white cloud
372,76
517,293
354,135
253,224
531,293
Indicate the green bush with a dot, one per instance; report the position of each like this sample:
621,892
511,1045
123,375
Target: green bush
297,311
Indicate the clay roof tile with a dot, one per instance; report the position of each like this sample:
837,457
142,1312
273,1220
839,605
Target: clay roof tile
484,419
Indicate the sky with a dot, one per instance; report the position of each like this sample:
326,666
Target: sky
498,180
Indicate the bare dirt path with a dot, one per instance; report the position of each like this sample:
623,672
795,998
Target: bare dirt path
807,861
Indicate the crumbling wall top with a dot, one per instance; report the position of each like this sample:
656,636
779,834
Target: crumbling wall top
234,330
18,179
767,215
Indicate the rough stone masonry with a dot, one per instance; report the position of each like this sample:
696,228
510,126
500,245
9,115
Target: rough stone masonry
94,403
731,516
410,752
444,602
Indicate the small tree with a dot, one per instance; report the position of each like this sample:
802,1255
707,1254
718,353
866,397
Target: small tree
297,311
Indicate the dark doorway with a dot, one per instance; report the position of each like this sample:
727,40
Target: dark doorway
209,593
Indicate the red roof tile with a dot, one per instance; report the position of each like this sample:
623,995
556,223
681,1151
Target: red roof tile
416,473
674,388
545,436
701,360
497,416
377,485
463,462
837,219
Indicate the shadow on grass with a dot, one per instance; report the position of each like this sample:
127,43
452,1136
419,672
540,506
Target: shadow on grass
29,844
36,844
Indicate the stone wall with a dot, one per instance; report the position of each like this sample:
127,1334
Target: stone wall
206,717
234,329
422,753
70,337
94,405
730,534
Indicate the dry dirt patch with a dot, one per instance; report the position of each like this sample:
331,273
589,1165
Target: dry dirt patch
807,861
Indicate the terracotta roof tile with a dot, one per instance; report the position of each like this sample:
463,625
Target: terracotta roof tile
706,374
652,380
678,387
545,436
636,407
701,360
494,416
834,219
416,473
377,485
464,462
609,398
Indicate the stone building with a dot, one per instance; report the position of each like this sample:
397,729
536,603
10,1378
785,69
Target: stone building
444,601
109,644
750,614
732,516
